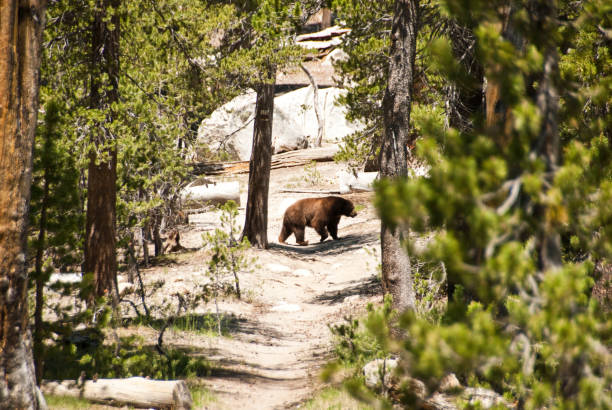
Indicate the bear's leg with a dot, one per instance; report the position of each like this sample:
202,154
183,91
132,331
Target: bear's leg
321,230
284,233
299,235
332,227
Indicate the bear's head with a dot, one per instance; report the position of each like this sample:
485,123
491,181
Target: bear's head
348,209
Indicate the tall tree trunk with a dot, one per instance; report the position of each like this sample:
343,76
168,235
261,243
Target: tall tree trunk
21,25
326,18
100,252
547,100
256,221
396,271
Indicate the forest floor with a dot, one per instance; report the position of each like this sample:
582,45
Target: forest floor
278,338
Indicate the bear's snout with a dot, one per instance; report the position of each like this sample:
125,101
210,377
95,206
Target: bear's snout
353,214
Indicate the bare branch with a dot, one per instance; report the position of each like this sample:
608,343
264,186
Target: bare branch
514,192
320,120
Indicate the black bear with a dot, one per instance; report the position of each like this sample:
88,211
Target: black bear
322,214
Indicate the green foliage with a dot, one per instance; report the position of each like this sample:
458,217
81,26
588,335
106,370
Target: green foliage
205,324
364,74
333,399
355,149
179,61
312,176
355,343
493,204
228,255
128,358
430,289
55,189
264,29
66,403
202,397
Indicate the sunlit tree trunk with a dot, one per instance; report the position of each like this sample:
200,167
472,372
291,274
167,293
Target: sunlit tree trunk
396,271
21,25
256,222
100,252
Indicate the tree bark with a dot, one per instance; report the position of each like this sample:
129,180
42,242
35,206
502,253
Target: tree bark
256,221
325,18
100,252
21,25
547,100
396,271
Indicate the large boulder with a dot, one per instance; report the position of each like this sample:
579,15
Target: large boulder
295,126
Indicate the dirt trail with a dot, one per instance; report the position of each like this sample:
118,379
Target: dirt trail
281,338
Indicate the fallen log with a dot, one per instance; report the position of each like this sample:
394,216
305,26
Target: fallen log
324,34
286,159
211,194
313,191
134,391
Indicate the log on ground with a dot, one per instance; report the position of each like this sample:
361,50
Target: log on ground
211,194
284,160
135,391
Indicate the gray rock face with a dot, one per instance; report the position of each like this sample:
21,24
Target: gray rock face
230,128
484,397
379,370
450,383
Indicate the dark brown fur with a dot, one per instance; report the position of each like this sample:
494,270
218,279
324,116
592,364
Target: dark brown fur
322,214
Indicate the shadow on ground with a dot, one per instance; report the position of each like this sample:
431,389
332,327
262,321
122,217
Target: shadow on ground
350,242
231,325
368,287
229,367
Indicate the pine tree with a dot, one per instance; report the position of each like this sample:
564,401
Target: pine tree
364,76
56,218
519,219
100,230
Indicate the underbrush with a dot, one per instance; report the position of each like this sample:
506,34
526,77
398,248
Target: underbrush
358,341
201,324
200,395
130,357
68,403
332,398
355,346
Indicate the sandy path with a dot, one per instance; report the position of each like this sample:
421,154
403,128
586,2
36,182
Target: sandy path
281,339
